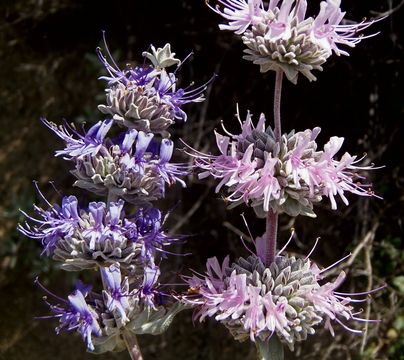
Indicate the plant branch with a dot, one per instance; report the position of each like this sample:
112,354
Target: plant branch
132,346
277,105
271,235
111,197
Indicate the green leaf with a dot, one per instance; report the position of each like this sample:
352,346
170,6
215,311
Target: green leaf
110,343
399,323
399,283
162,57
155,322
271,349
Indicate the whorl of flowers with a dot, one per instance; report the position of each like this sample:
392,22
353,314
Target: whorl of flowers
288,177
146,97
123,164
280,36
289,298
98,236
135,167
101,319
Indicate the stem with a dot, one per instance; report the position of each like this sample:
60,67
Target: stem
271,235
112,197
277,105
132,345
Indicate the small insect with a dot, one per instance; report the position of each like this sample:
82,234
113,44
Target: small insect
194,290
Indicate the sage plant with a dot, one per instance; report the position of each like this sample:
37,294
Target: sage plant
125,160
270,297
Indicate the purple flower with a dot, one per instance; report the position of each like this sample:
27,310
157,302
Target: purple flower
148,290
135,166
161,154
328,30
77,145
150,233
100,236
52,224
116,291
281,37
176,98
124,299
286,298
131,77
76,315
146,97
239,13
287,177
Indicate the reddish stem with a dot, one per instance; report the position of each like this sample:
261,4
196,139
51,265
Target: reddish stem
271,233
132,346
277,105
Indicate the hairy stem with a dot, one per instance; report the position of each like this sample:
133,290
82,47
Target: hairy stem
111,197
277,105
271,235
132,345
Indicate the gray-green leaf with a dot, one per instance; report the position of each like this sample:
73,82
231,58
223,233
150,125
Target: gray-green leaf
155,322
105,344
271,349
162,57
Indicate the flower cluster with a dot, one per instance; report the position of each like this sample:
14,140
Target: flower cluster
99,236
289,298
269,297
280,36
146,97
129,164
102,318
126,158
288,176
135,167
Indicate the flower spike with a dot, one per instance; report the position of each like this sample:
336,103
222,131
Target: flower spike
290,176
281,37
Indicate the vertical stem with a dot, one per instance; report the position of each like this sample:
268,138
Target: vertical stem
112,197
277,105
271,233
132,346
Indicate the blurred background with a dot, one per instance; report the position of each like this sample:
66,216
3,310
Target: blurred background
48,68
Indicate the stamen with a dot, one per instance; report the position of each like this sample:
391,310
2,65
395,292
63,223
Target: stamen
312,250
348,328
367,320
183,61
36,281
224,129
41,195
336,263
248,228
363,293
287,242
246,247
107,50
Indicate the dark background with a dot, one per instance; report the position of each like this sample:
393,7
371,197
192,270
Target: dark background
48,68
